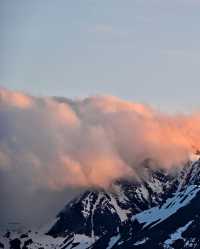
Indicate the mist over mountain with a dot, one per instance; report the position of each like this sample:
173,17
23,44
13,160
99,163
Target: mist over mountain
110,160
160,211
52,147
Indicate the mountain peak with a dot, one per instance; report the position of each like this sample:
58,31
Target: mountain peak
161,210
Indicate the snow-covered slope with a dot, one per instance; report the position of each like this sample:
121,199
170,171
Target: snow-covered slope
174,223
155,215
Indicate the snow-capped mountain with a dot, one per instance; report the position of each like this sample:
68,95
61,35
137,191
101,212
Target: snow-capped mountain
175,224
160,210
97,212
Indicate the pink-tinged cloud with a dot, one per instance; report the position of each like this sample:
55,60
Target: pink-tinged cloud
16,99
55,143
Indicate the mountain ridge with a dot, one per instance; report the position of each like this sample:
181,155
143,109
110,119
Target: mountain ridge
129,215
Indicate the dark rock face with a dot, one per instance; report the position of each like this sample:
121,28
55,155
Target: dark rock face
22,236
15,244
27,243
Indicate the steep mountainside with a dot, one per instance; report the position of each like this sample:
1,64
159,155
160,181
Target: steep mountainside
159,211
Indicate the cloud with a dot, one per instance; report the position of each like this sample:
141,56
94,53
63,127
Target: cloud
52,143
16,99
53,147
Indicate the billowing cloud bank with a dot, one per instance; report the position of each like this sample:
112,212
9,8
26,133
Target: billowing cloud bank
55,143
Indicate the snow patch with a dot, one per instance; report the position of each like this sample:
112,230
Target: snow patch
140,242
157,214
112,241
121,213
92,215
177,235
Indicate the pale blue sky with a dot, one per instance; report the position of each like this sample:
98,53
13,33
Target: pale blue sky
141,50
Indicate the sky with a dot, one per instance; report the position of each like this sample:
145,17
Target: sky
146,51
